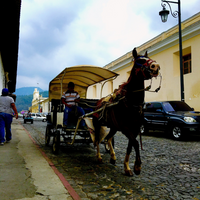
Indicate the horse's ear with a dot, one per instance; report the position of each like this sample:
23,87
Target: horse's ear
134,53
146,54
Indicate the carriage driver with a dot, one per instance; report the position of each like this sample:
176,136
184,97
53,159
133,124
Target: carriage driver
70,99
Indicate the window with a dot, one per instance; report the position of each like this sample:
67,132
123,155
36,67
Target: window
186,61
187,64
152,107
168,107
180,106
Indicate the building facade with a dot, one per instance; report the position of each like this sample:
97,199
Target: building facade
9,40
39,103
165,50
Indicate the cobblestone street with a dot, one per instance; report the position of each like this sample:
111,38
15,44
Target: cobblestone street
170,169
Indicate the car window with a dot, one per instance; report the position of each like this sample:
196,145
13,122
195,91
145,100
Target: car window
38,115
32,114
153,107
168,107
180,106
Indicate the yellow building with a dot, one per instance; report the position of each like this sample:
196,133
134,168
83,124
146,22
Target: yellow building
39,103
165,50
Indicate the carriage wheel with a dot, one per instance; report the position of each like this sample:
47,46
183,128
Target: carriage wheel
56,143
47,136
107,148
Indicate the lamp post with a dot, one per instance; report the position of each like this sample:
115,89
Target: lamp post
39,100
164,14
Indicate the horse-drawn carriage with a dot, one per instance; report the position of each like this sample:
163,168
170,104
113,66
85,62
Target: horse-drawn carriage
83,77
121,111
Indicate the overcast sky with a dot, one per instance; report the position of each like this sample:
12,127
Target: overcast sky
55,34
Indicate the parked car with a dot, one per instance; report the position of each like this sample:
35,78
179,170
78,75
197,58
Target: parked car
20,115
28,118
37,116
44,114
175,117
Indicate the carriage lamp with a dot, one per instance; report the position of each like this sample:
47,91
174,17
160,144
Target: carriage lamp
164,14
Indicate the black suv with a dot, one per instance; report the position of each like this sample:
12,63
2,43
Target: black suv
175,117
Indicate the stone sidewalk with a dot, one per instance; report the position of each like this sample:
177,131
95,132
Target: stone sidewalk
26,172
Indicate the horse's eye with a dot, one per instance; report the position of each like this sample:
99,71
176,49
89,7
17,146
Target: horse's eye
152,66
143,61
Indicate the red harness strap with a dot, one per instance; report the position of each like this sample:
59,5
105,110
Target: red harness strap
139,69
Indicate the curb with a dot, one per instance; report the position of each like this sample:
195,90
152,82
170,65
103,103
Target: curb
66,184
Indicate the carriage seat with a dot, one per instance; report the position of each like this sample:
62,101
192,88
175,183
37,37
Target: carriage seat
57,109
88,104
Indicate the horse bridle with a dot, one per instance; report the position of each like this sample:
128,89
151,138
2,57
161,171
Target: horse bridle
145,67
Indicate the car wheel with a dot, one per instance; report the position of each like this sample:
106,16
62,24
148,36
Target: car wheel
143,129
176,132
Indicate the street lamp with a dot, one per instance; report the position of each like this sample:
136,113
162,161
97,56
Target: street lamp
164,14
39,100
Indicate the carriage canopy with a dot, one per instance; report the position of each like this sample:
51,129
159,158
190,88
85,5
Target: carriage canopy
82,76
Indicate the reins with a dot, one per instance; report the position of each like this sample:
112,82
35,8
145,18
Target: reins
115,103
143,67
149,87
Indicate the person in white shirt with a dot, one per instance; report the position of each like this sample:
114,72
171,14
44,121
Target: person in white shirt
70,99
7,106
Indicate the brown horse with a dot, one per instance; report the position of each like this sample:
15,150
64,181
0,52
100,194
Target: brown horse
127,115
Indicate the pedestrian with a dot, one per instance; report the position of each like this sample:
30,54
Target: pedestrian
29,114
70,99
7,106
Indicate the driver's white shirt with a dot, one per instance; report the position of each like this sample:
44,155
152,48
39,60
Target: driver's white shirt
70,97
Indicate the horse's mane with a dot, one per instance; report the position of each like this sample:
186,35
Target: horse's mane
131,74
123,87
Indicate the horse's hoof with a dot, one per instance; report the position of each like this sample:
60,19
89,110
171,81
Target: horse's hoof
112,161
137,170
128,173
